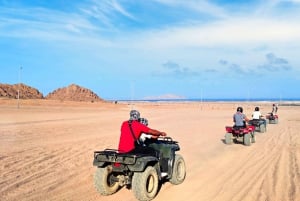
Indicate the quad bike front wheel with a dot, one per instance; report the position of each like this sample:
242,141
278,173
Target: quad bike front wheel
104,181
145,184
179,170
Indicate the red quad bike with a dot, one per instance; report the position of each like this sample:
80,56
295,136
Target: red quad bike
140,172
259,125
242,134
273,118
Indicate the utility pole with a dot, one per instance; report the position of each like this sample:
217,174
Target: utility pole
20,70
132,94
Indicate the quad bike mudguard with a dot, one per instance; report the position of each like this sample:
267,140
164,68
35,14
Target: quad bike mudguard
133,162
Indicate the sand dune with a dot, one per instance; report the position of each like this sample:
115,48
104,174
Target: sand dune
46,151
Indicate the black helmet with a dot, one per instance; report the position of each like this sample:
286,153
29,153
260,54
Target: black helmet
256,109
239,109
143,121
134,115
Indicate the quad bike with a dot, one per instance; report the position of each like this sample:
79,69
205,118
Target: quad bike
273,118
244,134
259,125
141,172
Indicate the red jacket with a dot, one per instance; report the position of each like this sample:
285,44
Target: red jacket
126,142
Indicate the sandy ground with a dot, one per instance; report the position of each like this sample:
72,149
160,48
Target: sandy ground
46,151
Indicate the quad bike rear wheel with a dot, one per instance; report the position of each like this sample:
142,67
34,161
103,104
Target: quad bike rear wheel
228,138
247,139
145,184
253,137
179,170
104,181
262,128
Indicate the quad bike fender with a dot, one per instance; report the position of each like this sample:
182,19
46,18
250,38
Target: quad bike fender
101,158
246,130
99,163
132,162
250,128
143,162
228,129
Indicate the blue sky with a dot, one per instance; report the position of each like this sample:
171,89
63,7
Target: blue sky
137,49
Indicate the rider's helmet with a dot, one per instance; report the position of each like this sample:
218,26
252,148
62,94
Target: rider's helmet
256,109
134,115
239,109
143,121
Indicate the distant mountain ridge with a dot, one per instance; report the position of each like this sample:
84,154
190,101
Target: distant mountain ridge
24,91
72,92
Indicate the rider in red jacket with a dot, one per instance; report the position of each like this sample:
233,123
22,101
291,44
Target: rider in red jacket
131,131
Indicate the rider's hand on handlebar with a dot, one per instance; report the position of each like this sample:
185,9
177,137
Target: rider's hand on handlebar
163,134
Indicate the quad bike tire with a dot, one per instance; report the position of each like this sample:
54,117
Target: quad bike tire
179,170
103,182
145,184
273,121
253,137
247,139
262,128
228,138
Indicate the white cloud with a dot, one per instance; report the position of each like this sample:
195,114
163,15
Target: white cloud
231,32
121,10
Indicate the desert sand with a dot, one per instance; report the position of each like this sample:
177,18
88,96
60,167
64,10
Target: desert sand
46,151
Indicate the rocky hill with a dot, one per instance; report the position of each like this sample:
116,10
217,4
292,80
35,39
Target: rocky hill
73,93
25,92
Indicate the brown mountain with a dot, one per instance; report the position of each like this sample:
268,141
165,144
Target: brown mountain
25,92
73,93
